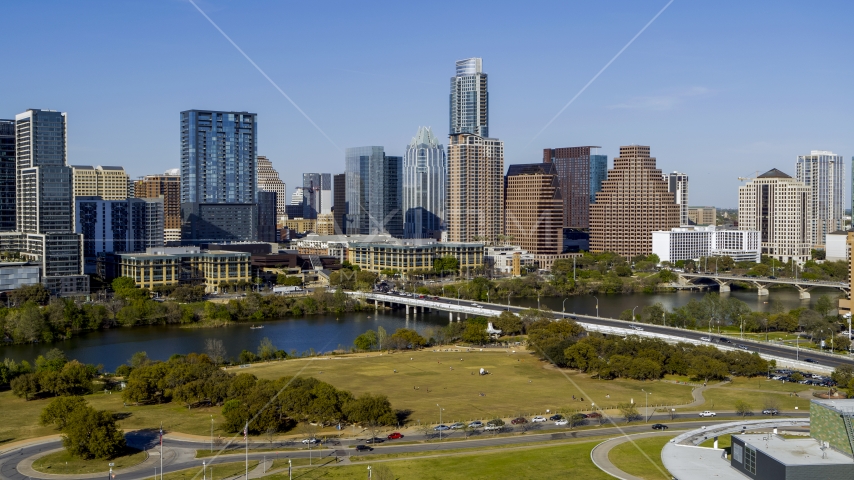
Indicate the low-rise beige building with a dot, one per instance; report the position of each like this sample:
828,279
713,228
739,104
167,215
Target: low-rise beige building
703,215
325,224
185,265
412,255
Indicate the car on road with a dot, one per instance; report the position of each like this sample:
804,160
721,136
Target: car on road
809,360
538,419
519,420
724,340
476,424
743,347
310,440
441,428
770,411
706,339
395,435
363,448
637,327
707,413
457,425
475,305
659,426
593,415
556,417
562,421
492,427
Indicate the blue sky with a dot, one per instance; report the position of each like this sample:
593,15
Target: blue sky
717,89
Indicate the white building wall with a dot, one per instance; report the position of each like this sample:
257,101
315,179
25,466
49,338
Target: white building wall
835,246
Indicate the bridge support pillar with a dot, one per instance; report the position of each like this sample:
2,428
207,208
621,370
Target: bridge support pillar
716,443
804,295
723,287
762,291
407,310
451,317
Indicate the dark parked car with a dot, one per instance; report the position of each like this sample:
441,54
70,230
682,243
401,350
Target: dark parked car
363,448
518,420
593,415
556,417
659,426
375,440
809,360
770,411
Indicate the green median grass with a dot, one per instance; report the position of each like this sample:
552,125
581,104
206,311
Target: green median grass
558,461
757,392
62,463
641,457
224,470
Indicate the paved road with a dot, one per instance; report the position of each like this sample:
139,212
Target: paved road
178,453
600,453
766,348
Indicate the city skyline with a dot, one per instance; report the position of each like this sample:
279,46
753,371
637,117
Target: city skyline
689,98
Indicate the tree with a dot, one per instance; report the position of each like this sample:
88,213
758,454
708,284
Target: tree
91,433
382,336
508,323
59,410
382,472
139,359
370,409
576,419
824,305
366,341
628,411
842,375
771,402
742,408
446,264
266,349
475,334
215,350
37,294
406,338
26,385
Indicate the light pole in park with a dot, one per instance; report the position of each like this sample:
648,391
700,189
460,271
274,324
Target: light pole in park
597,305
508,299
290,472
440,421
211,433
204,471
646,409
487,297
633,313
564,304
369,472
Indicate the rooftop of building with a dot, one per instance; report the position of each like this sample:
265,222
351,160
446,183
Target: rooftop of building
98,167
794,451
840,232
774,173
845,405
531,169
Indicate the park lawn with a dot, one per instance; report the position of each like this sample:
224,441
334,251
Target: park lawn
224,470
21,419
62,463
755,391
559,461
628,457
518,384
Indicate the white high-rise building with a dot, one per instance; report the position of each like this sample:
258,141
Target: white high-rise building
690,243
269,181
824,173
469,99
778,206
424,173
677,183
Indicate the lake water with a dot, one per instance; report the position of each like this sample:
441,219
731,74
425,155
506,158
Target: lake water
327,332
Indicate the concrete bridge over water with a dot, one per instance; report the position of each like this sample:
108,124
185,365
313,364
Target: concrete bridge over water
762,283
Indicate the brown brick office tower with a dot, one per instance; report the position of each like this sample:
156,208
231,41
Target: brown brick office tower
533,208
633,203
475,195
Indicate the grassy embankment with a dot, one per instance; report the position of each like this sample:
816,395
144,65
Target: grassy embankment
641,458
61,463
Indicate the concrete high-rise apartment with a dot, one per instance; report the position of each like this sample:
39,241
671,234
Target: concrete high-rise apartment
7,175
580,172
318,193
533,208
109,183
44,205
633,203
339,206
824,173
269,181
373,190
702,215
778,206
424,175
677,184
168,186
469,99
117,226
475,197
218,176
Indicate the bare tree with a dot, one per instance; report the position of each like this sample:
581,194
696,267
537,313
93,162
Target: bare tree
270,434
382,472
771,402
215,350
308,430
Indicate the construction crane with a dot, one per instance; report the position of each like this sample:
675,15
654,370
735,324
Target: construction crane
744,179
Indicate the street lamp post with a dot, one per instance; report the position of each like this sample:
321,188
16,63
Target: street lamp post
290,473
508,299
597,305
564,304
440,421
741,317
204,471
646,409
487,297
538,300
369,473
633,313
211,433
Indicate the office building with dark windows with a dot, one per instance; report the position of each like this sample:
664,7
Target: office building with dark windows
218,176
581,172
267,202
339,207
373,192
533,208
469,99
44,215
425,171
7,175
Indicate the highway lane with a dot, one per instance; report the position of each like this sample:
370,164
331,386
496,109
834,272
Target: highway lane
832,361
455,441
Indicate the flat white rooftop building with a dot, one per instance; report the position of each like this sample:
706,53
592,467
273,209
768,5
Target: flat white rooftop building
687,243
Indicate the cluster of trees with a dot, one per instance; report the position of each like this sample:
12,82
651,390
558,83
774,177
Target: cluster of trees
37,317
86,433
353,279
843,375
644,359
401,339
53,374
278,405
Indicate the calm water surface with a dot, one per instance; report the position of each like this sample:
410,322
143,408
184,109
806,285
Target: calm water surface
327,332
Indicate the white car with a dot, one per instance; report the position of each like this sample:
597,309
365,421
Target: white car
309,440
489,427
707,413
562,421
706,339
538,419
475,305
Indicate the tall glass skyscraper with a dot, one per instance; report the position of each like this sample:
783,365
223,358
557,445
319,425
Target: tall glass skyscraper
424,172
469,99
824,173
7,175
218,176
373,190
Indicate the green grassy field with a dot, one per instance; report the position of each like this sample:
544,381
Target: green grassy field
518,384
216,471
559,461
756,391
61,463
628,457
